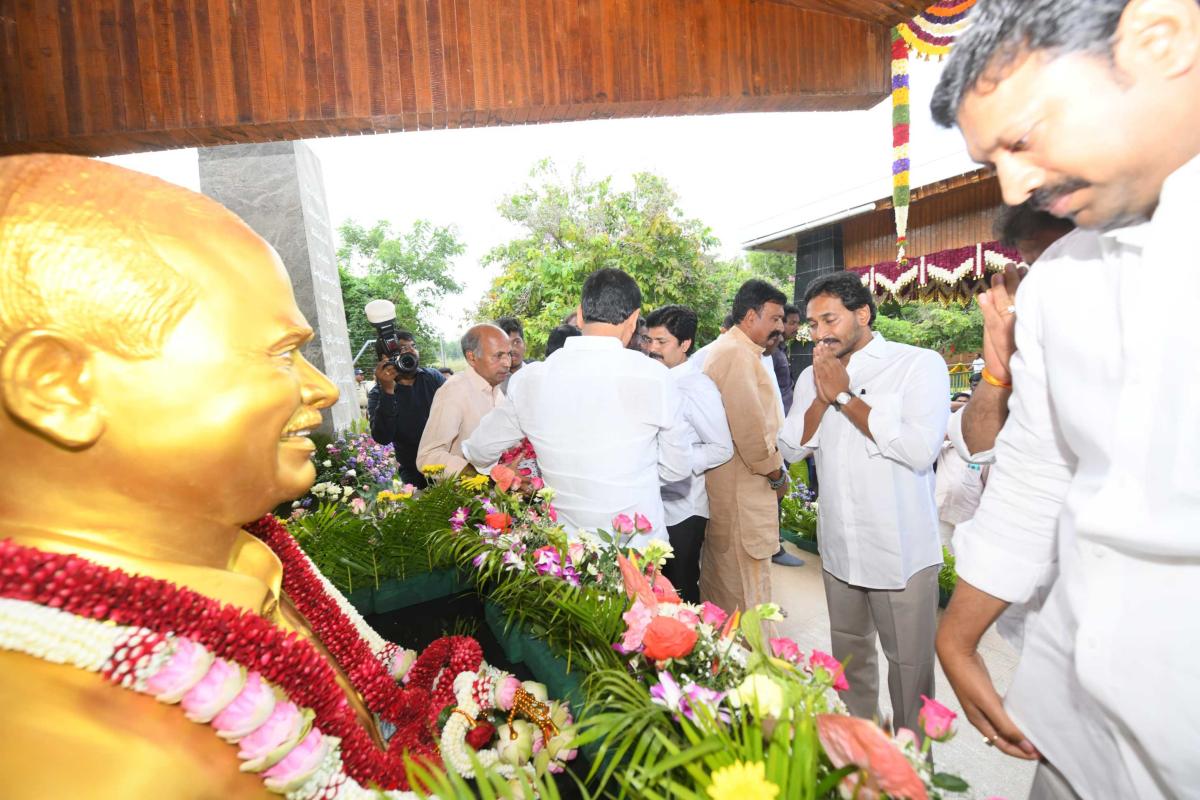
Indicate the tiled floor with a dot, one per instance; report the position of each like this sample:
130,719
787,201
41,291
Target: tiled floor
800,592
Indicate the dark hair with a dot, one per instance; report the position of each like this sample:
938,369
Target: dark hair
445,370
610,296
1001,31
681,321
728,322
975,378
752,296
1016,224
790,309
511,325
558,337
961,396
847,287
406,336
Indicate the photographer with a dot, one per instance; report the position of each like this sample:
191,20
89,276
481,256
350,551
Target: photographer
398,406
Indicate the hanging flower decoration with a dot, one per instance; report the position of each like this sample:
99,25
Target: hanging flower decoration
931,33
900,129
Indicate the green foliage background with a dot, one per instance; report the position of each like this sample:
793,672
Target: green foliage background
574,225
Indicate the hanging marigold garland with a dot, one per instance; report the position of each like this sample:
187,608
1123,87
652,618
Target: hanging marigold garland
931,33
900,127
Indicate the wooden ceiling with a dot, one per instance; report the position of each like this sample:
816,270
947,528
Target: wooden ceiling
113,76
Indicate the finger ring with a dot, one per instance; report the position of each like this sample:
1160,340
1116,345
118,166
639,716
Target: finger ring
990,741
1011,309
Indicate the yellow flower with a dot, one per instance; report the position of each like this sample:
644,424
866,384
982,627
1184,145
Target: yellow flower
742,781
433,469
474,483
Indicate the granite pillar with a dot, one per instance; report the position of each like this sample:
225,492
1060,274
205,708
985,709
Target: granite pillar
818,253
278,189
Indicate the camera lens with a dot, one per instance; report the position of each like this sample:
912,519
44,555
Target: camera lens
407,362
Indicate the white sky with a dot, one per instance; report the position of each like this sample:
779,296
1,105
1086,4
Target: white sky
745,175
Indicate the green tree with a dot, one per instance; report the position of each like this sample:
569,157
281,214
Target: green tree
776,267
413,270
575,225
946,329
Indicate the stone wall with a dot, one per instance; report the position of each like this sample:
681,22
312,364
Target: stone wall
278,189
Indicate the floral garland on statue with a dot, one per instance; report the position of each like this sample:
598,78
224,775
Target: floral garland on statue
900,131
227,667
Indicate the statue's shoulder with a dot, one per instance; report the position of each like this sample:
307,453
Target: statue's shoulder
71,733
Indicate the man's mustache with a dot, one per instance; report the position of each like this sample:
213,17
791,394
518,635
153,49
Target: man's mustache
655,356
1044,197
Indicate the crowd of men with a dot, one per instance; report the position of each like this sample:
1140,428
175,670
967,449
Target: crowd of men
1084,416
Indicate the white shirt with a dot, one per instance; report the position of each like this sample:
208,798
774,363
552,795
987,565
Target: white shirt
711,441
606,424
877,520
959,482
1098,474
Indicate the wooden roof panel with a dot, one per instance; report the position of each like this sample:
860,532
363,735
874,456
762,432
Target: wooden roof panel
122,75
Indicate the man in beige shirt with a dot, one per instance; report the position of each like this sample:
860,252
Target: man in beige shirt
466,398
743,493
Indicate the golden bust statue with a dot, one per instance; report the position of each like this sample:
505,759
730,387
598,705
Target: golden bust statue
153,400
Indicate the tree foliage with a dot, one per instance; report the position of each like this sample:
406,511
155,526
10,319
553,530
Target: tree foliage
946,329
575,225
412,269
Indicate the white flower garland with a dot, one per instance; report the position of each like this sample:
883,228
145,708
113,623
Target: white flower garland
60,637
454,745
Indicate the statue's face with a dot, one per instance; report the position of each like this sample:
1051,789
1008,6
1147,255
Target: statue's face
216,420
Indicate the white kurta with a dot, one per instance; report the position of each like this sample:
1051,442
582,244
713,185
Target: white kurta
1097,474
605,422
877,520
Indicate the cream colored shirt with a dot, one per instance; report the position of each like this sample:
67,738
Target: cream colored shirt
457,407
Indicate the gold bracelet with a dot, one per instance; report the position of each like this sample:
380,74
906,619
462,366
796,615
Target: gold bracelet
994,381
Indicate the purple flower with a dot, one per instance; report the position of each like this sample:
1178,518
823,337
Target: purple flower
478,560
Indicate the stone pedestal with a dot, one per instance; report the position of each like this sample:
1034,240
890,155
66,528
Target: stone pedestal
277,188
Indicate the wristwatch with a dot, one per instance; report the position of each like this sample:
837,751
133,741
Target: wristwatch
842,399
778,482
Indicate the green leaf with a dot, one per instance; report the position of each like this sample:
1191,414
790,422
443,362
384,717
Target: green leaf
951,783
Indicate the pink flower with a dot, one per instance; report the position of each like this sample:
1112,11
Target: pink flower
664,592
637,619
687,616
298,765
884,769
786,649
537,483
251,708
505,693
357,505
819,660
712,614
642,524
622,524
218,688
184,670
402,659
282,729
552,513
505,478
936,720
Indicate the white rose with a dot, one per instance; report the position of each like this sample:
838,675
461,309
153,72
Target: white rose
327,463
351,473
346,492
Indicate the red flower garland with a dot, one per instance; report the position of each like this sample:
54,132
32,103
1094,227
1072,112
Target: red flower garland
80,587
457,654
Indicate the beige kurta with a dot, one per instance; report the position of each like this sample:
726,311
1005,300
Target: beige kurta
743,530
457,407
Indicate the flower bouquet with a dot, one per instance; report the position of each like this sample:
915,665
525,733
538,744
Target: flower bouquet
355,471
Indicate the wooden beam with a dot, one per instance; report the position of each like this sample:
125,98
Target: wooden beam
117,76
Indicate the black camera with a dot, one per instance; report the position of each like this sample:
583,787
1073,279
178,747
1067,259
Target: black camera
382,315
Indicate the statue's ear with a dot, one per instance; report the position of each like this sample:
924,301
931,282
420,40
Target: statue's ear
46,384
